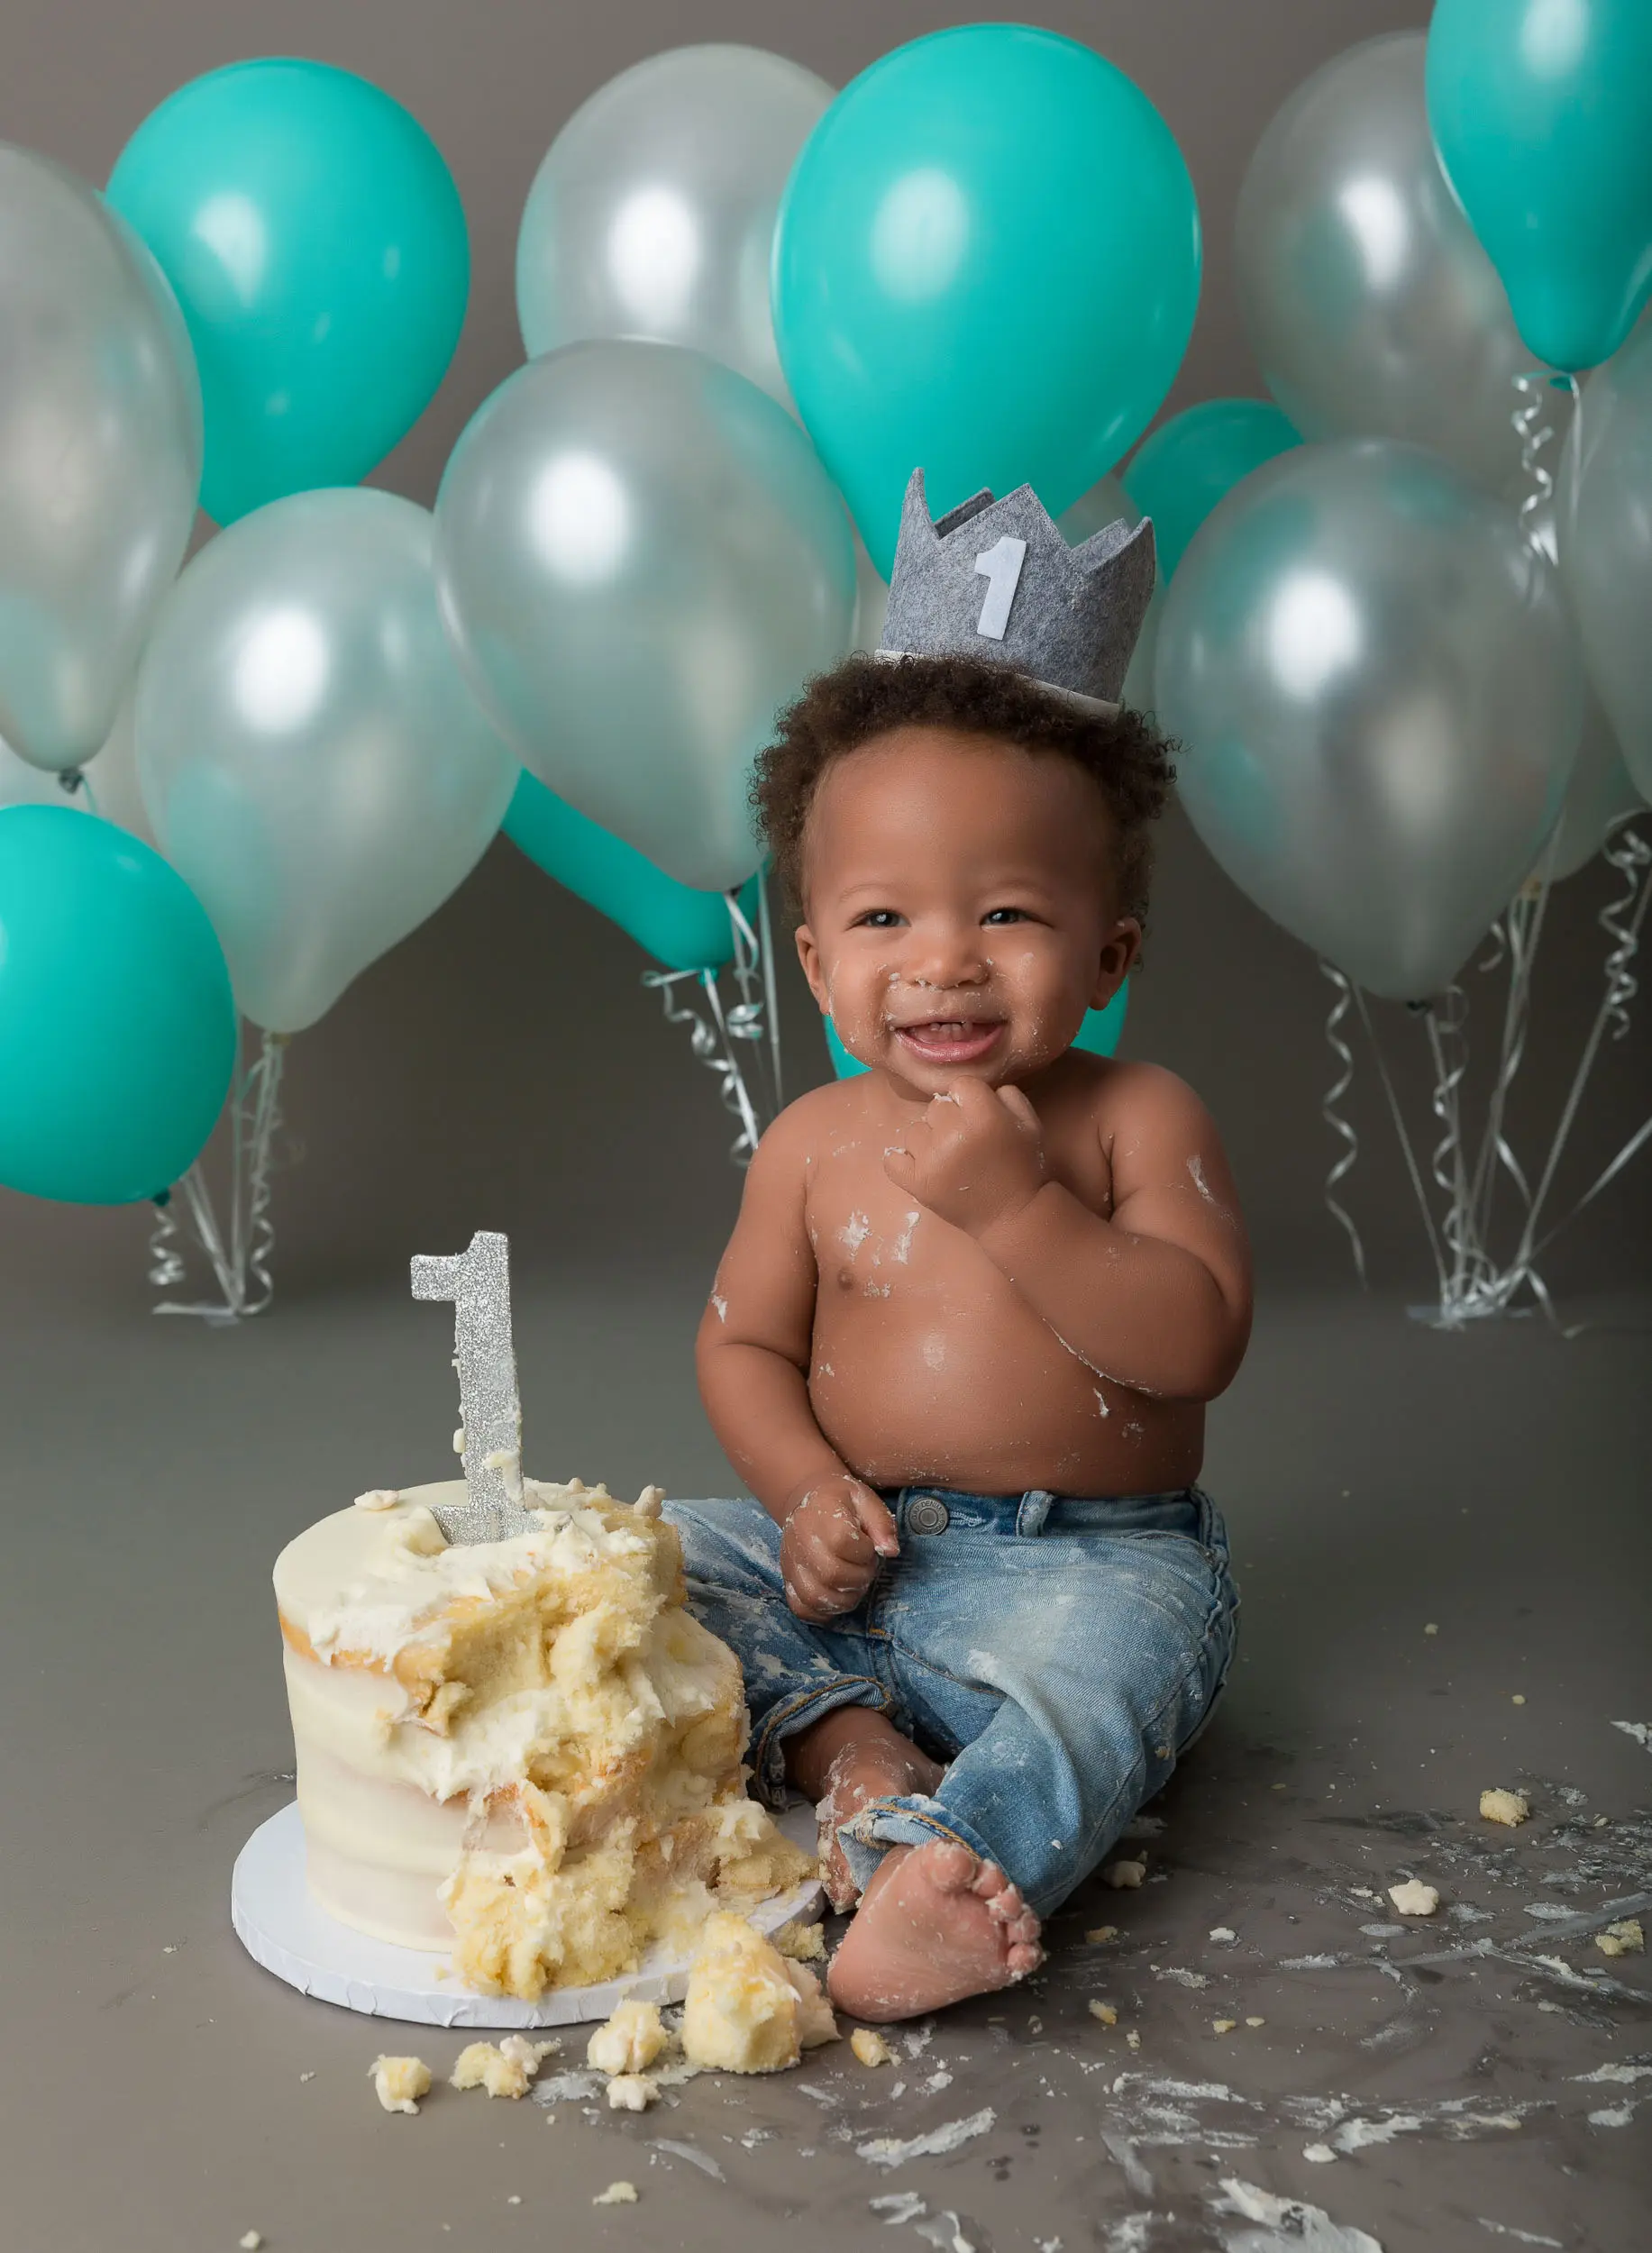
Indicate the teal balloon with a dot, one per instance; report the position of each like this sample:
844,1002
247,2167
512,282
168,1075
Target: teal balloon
316,243
1542,114
1181,471
1099,1033
684,928
986,266
117,1028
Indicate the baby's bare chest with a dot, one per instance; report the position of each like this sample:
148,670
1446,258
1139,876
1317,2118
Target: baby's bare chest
873,1242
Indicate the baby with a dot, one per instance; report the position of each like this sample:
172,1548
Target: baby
959,1343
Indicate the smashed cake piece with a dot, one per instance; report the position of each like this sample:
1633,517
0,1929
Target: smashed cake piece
1124,1874
803,1943
1626,1937
617,2195
632,2093
748,2010
528,1751
400,2083
870,2047
504,2069
1414,1899
1512,1808
629,2041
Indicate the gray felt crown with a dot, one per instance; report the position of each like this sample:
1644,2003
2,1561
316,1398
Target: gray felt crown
997,579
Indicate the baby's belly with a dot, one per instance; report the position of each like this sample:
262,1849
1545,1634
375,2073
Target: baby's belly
911,1391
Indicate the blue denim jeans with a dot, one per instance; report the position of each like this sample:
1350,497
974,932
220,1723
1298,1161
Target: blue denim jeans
1057,1654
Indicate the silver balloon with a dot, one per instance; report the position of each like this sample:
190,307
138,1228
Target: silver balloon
111,778
100,457
22,784
652,215
1606,542
313,764
1377,690
640,558
1371,305
1600,797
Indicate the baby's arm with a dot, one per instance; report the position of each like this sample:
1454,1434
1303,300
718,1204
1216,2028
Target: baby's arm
1159,1297
752,1355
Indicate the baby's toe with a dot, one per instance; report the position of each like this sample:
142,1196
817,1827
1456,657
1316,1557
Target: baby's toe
1005,1904
1024,1930
991,1885
951,1869
1023,1959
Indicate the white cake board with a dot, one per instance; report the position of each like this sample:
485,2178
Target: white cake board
283,1929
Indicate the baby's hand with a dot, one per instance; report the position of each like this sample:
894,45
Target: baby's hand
836,1530
975,1156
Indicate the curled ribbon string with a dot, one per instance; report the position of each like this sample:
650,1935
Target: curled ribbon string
1344,1164
240,1256
714,1027
1535,434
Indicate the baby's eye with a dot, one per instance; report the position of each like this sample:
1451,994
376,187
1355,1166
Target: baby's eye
1005,914
878,919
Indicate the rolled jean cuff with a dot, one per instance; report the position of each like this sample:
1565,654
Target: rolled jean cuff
788,1717
912,1820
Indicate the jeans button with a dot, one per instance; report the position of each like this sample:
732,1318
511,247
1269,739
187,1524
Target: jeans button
928,1513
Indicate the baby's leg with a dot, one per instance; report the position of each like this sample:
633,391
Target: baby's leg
1072,1670
853,1755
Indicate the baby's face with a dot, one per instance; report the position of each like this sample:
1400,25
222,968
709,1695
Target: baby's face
961,917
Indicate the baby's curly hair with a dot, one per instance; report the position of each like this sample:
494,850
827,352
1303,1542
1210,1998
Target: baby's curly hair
864,697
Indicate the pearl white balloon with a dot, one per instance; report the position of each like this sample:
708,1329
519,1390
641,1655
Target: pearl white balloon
1605,528
313,762
641,559
1376,684
1371,305
22,784
1601,798
653,213
100,457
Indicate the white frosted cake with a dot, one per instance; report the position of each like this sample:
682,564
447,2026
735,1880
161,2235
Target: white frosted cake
526,1753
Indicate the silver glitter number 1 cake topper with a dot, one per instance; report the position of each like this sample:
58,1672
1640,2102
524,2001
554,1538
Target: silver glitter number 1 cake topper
478,1282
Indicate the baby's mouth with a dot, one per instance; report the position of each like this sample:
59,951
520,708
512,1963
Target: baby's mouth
950,1040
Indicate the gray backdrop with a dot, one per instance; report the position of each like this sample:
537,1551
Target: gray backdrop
503,1067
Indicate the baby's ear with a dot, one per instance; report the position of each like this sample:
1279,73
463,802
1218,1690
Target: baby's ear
808,955
1120,951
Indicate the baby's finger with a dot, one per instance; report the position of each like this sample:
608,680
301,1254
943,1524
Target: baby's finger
879,1525
1020,1109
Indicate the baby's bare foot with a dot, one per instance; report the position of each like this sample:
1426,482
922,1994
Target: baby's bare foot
935,1924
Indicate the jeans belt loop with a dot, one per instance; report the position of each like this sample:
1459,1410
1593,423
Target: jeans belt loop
1035,1506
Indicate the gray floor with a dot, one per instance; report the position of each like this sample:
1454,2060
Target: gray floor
1477,2082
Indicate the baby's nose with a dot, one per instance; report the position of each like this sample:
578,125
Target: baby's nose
948,958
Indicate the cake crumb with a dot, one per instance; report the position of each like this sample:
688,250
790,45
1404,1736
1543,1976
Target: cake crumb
399,2082
379,1498
1134,2039
1223,1932
1105,2012
1626,1937
1102,1932
617,2195
250,2240
1121,1875
1223,2026
307,2077
802,1943
747,2008
1504,1807
870,2047
1432,1628
632,2093
1414,1899
503,2071
1320,2154
1516,1698
1256,2022
629,2041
